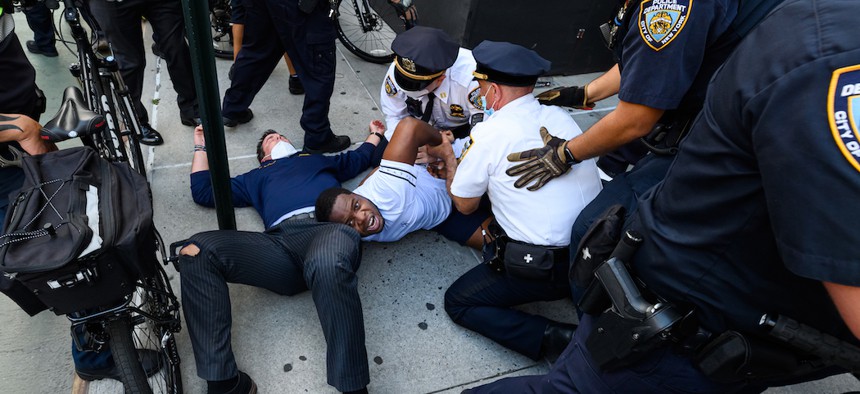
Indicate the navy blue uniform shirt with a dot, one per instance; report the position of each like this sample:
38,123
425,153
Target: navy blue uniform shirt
666,51
284,185
763,201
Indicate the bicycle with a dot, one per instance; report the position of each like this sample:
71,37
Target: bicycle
367,27
102,115
222,31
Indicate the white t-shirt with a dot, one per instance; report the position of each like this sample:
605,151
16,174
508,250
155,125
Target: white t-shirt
542,217
408,198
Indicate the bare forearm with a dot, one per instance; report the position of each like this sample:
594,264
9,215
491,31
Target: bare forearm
847,301
25,131
411,134
200,162
626,123
605,85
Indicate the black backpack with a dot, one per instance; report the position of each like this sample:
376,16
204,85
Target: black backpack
79,233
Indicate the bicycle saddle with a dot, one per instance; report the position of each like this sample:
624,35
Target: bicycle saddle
73,119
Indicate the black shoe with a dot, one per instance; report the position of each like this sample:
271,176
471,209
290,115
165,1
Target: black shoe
156,50
31,46
245,385
149,359
336,144
556,337
245,117
192,122
296,86
150,136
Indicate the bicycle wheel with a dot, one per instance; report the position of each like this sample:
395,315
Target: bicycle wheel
364,27
163,307
222,32
134,380
152,320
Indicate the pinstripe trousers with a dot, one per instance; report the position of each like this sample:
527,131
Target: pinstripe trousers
287,259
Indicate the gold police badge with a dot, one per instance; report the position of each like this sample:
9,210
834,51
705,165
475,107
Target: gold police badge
843,111
660,21
456,111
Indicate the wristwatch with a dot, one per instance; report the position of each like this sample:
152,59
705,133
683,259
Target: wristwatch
569,156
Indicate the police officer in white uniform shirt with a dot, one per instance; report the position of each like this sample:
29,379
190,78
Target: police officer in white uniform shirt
430,79
533,237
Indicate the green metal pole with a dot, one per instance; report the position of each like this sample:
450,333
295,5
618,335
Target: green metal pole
206,81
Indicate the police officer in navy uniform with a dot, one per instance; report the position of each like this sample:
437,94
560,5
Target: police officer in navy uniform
304,31
754,240
664,66
430,67
537,222
661,79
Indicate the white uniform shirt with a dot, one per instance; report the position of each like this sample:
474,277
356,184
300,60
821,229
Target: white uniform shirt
405,206
456,97
542,217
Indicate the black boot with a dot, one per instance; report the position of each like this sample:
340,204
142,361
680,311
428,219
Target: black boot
556,337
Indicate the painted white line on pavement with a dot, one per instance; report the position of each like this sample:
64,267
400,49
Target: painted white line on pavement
188,164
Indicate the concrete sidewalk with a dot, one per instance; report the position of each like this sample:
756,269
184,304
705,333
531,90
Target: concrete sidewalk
412,345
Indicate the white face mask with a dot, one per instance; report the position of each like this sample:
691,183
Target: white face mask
416,94
282,149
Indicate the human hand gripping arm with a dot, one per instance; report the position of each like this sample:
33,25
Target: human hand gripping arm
423,157
626,123
448,164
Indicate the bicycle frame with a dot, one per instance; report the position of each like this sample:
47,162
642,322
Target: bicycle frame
103,86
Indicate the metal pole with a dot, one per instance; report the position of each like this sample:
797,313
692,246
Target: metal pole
199,33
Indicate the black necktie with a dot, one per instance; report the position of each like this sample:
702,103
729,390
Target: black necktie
428,110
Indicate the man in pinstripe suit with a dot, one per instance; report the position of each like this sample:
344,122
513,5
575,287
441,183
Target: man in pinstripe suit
294,254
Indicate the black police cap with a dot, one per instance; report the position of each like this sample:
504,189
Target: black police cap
508,64
422,54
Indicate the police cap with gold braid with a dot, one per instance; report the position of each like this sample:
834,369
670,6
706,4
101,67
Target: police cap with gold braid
421,55
508,64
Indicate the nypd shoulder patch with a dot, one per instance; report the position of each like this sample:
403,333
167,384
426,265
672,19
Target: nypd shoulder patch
660,21
475,98
843,111
390,88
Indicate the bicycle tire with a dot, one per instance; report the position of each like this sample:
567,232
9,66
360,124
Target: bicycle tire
133,378
164,306
150,323
369,38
